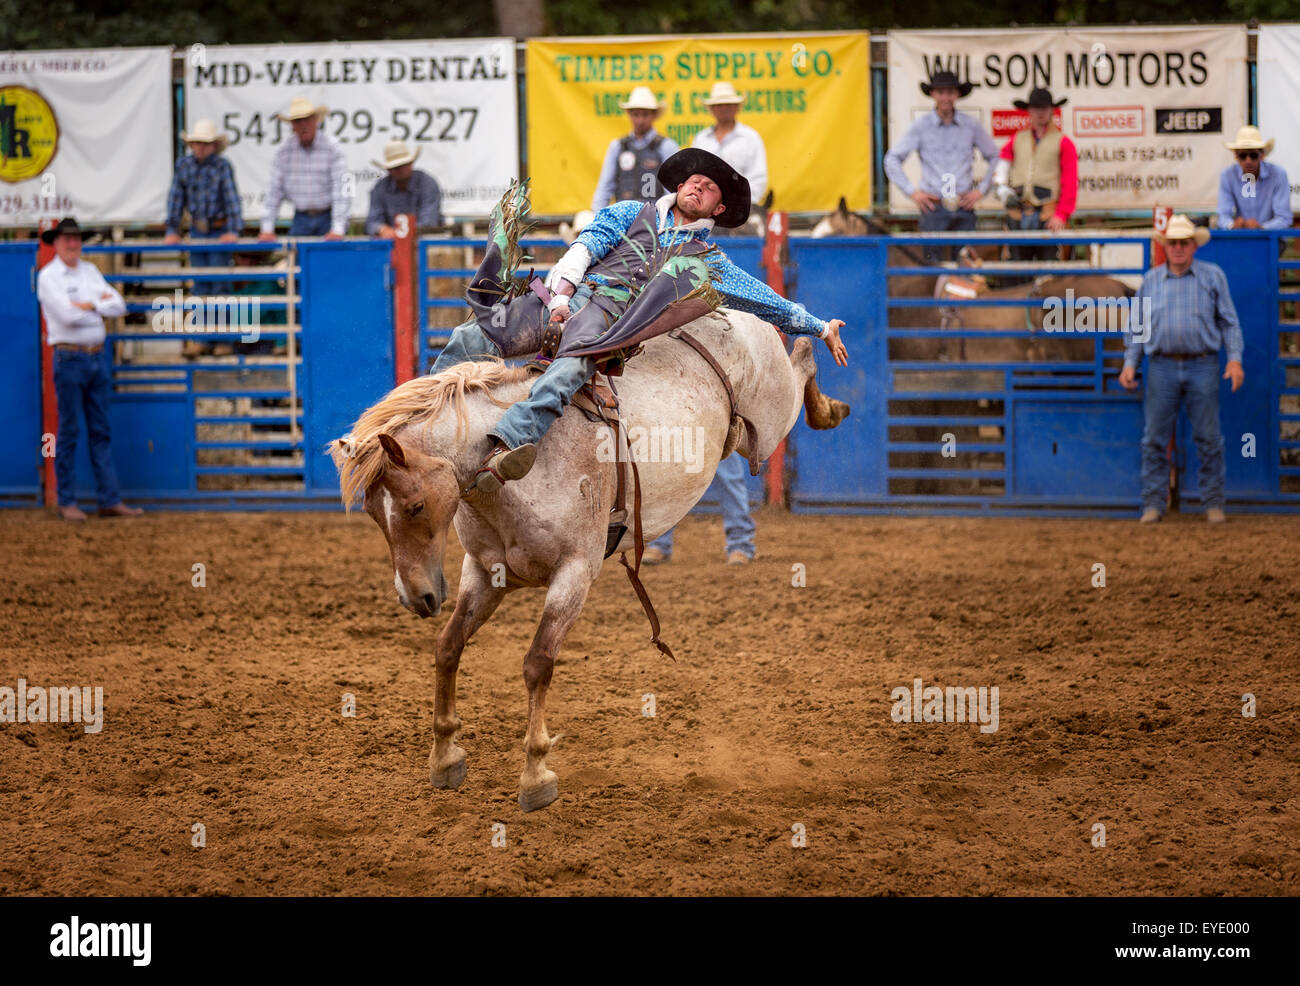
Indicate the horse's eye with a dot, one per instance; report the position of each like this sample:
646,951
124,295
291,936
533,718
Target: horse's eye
415,510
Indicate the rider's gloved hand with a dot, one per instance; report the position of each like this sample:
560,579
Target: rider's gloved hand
559,307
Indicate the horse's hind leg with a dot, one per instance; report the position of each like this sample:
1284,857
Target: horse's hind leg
821,412
476,600
538,787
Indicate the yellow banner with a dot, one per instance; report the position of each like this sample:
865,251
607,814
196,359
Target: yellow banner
808,96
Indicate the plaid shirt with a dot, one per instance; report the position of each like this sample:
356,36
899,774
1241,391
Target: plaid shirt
1192,313
206,190
742,290
310,178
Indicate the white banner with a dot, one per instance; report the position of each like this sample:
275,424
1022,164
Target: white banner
453,100
1148,110
1278,89
85,133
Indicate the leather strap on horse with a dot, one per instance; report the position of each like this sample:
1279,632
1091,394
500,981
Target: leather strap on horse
638,538
751,436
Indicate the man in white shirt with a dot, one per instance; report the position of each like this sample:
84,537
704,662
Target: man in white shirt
737,144
75,300
310,171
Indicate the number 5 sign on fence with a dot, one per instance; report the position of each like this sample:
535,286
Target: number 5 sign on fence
453,101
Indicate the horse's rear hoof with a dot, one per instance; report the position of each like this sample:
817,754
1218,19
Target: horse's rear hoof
530,799
450,776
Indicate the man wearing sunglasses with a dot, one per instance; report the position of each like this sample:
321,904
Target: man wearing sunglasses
1253,193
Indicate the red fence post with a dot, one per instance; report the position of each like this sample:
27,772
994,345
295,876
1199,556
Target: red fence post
49,401
404,294
776,250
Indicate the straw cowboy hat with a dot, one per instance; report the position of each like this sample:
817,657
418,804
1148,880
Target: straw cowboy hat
1181,228
642,99
300,108
396,154
733,185
1250,139
205,132
947,80
723,92
1039,97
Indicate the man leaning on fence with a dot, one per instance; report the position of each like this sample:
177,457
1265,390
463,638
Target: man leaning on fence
1253,193
945,141
402,192
75,300
311,172
1191,315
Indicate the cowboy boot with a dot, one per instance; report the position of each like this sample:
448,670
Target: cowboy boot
504,464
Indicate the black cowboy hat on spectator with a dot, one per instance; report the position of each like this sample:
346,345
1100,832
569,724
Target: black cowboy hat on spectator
66,226
947,80
1038,97
735,186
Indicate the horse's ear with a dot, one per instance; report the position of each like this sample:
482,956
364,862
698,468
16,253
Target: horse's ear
394,451
768,199
843,207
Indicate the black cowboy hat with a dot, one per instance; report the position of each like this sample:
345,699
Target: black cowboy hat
947,80
1039,97
66,226
735,186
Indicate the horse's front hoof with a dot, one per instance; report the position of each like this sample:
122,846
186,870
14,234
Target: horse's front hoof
449,775
540,795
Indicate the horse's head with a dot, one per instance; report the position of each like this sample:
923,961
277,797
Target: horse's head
413,501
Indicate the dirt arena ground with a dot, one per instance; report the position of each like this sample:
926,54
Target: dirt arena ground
1119,705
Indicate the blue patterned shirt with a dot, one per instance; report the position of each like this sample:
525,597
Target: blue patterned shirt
1191,313
1269,203
206,189
944,149
742,290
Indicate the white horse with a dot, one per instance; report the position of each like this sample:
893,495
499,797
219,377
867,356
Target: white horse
414,454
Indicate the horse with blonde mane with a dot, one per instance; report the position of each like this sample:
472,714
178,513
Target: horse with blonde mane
412,458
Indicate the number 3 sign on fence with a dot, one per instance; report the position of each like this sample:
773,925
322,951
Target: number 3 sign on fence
453,101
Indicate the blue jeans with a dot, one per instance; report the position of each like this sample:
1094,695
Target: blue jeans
737,524
81,380
214,258
305,225
941,220
528,420
1168,383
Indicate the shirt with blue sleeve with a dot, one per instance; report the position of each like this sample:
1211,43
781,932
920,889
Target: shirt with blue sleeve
206,190
944,148
1267,199
1188,314
742,290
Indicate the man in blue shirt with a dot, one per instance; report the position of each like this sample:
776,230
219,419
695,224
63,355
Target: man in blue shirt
631,162
1186,315
590,288
945,141
403,191
1253,193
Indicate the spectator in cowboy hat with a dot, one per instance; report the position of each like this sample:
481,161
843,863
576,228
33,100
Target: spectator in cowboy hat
1037,177
75,300
945,141
737,144
632,161
1191,316
310,171
1253,193
204,186
404,191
